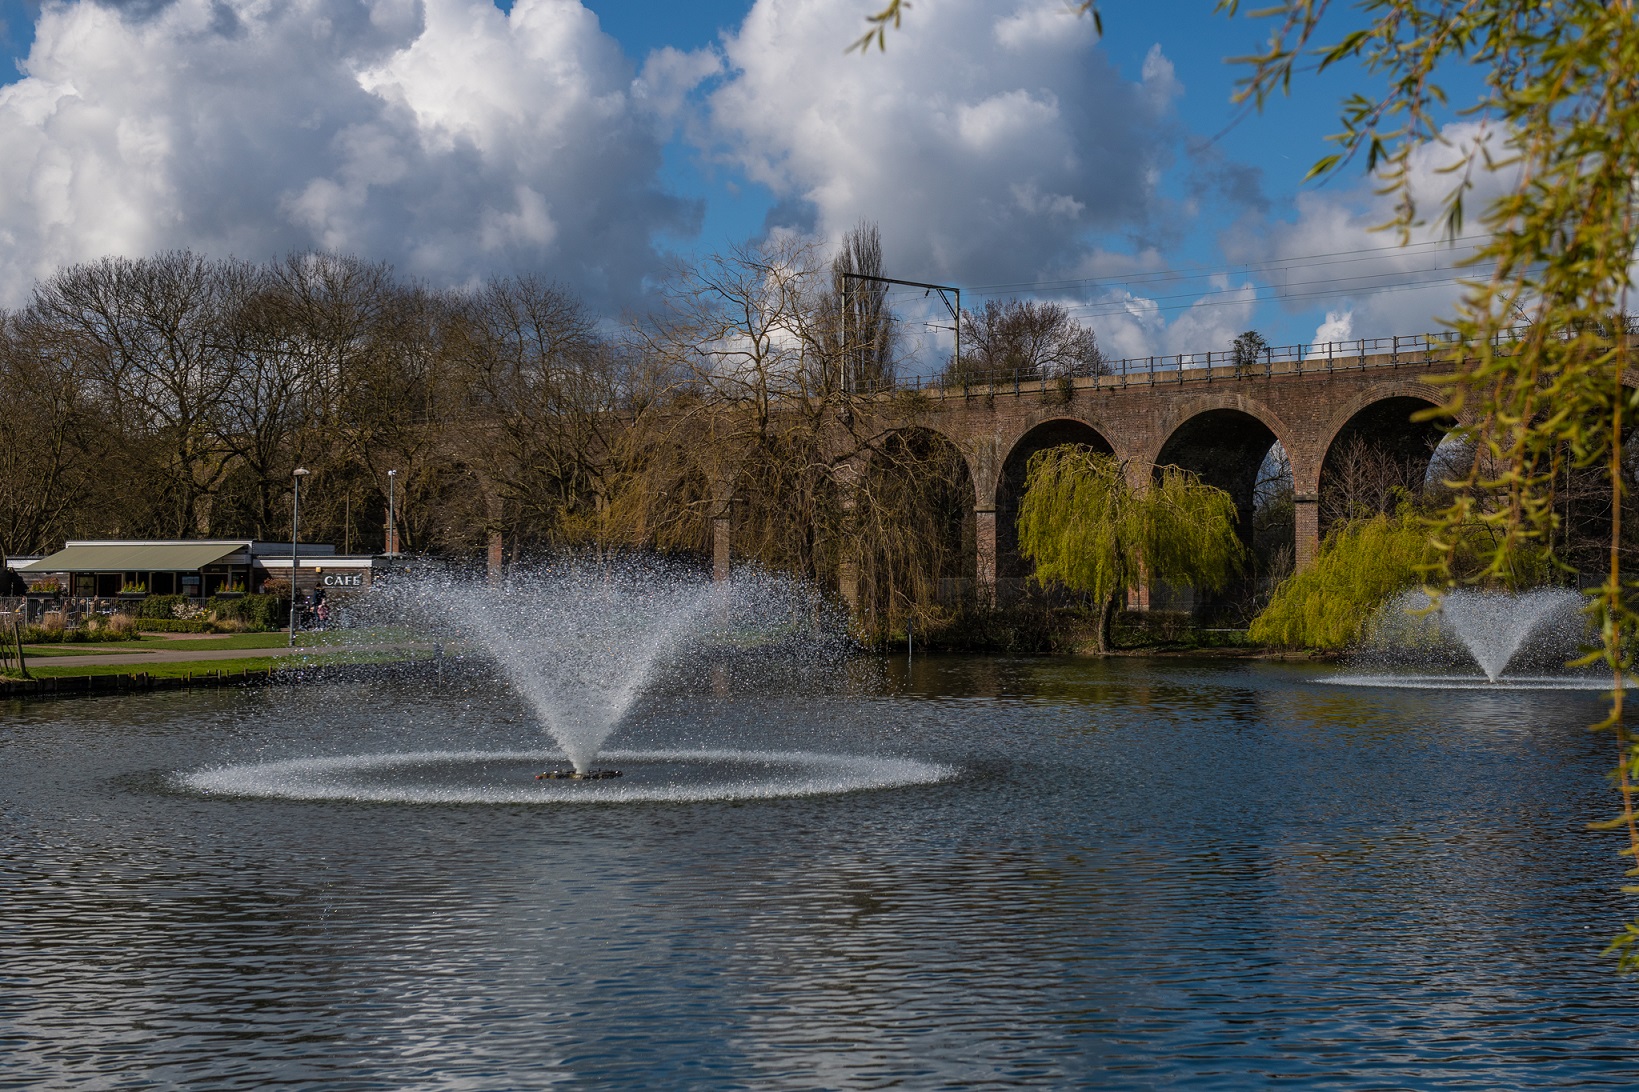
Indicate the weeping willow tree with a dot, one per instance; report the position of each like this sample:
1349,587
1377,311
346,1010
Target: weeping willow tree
1559,111
1365,561
913,533
1361,564
1088,529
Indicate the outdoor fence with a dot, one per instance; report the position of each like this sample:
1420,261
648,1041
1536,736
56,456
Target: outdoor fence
1211,366
75,610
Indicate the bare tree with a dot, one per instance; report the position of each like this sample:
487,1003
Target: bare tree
866,333
552,396
754,429
401,401
49,436
174,396
147,334
1025,341
1362,479
745,339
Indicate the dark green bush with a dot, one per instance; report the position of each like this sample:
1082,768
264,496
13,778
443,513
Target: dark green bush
161,606
255,611
1154,627
174,625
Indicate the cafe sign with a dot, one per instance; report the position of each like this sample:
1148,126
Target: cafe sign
342,580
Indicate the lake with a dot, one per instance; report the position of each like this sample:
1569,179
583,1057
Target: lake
1133,873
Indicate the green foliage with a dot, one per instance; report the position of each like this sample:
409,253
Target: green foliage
1560,106
891,15
1625,945
162,606
175,625
1087,528
1364,562
255,611
1361,564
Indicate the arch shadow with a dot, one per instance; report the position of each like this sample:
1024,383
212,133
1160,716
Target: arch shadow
1225,448
914,525
1376,452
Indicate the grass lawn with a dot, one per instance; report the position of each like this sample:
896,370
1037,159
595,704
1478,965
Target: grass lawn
176,670
153,643
37,651
210,667
235,641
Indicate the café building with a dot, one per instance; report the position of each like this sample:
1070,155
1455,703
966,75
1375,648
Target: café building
197,568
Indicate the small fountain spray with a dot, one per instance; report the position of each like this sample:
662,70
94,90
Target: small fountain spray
579,644
1495,630
581,639
1494,626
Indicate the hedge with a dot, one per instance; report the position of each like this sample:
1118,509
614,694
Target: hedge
174,625
257,611
161,606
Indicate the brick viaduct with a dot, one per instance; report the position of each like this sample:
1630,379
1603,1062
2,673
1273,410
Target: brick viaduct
1218,421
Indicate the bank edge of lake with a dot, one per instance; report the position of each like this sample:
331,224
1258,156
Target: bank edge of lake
62,686
261,671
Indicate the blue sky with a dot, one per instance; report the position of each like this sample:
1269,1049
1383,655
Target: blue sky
998,144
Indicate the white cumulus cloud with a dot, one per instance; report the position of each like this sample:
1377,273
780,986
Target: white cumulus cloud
1339,326
445,136
991,142
1330,255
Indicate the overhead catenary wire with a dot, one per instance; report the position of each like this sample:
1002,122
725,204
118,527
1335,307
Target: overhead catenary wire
1248,292
1324,258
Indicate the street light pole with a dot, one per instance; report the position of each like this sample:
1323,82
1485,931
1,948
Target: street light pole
295,535
392,515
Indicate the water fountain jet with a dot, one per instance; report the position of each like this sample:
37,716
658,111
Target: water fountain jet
1493,626
1492,630
581,643
581,640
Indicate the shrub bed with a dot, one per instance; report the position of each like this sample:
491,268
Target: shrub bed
262,612
163,606
1154,627
117,627
175,625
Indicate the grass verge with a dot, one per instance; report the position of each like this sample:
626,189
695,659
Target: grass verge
186,668
231,643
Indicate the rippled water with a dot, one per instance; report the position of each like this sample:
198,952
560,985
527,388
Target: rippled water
1142,874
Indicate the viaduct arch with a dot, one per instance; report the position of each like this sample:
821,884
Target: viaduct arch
1219,422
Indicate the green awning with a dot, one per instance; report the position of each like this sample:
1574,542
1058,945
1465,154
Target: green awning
134,557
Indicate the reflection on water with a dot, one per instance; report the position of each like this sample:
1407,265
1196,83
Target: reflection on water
1144,873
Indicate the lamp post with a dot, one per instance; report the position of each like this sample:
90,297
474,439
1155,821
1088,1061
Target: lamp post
295,534
392,515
